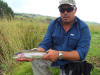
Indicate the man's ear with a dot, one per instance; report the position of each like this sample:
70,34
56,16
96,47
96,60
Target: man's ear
75,10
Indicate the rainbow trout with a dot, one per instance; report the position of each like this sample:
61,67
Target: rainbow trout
31,53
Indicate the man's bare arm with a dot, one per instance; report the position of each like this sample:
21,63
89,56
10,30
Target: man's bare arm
71,55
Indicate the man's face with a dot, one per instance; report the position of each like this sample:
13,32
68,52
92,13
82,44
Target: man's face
67,13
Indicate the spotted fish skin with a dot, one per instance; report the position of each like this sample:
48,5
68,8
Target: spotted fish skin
31,53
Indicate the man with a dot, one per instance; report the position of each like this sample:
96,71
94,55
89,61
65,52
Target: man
67,39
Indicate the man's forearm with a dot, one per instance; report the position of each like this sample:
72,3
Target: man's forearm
70,55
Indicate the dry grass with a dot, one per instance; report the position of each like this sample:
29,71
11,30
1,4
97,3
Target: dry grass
18,35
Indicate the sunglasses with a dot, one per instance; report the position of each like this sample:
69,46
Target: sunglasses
69,9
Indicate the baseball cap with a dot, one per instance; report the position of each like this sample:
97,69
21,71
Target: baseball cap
70,2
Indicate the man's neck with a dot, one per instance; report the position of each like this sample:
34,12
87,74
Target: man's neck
67,25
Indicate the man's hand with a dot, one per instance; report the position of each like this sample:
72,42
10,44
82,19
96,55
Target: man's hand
24,59
40,49
21,58
51,55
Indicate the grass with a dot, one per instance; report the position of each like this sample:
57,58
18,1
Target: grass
24,69
18,35
94,52
26,33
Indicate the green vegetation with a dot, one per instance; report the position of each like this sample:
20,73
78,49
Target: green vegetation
24,69
18,35
5,10
26,33
94,52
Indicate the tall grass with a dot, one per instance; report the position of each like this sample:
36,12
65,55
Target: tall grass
18,35
94,52
26,33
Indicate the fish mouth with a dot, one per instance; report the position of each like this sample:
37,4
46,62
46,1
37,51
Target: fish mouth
15,57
